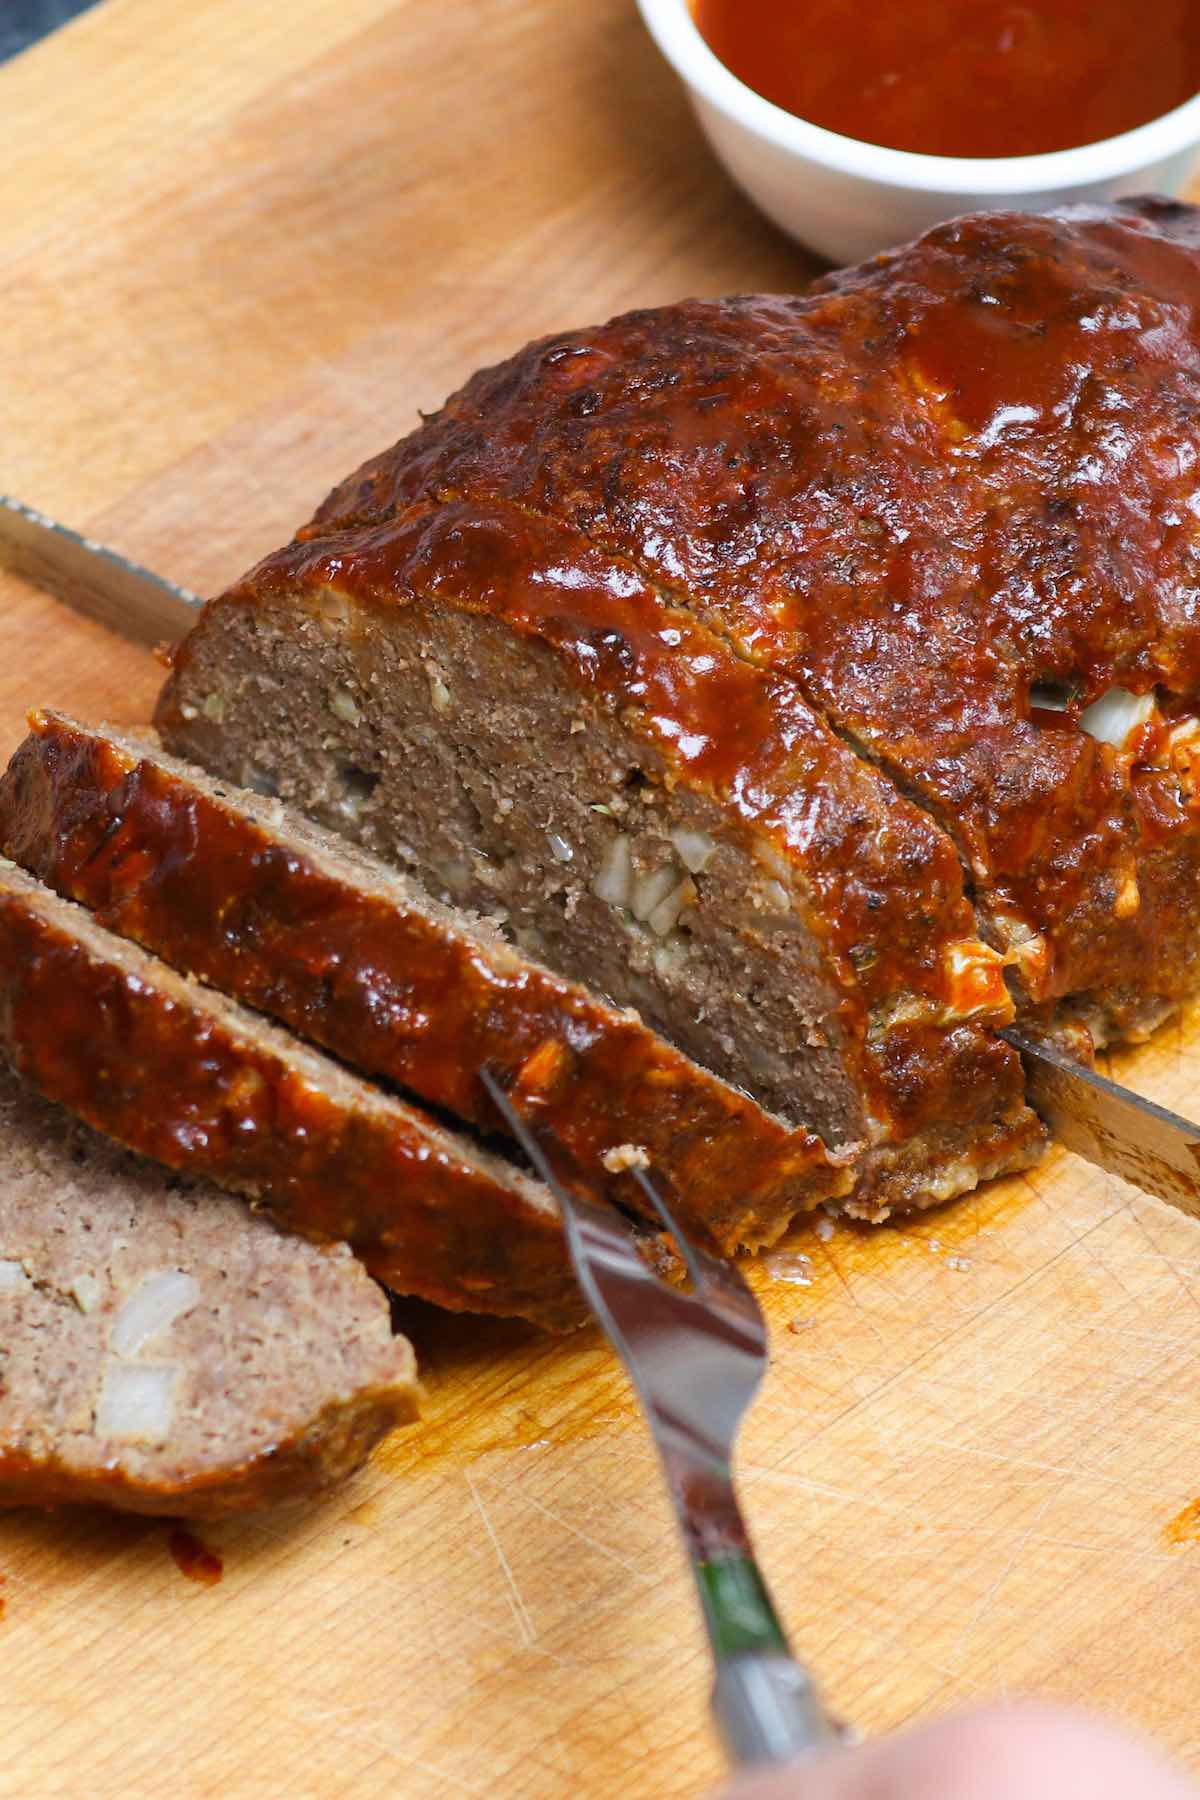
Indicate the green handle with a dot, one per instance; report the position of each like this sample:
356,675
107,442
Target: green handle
738,1611
764,1702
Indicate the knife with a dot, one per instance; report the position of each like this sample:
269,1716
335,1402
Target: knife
95,581
1109,1125
1112,1126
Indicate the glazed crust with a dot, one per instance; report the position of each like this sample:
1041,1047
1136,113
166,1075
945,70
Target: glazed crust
934,481
398,988
141,1056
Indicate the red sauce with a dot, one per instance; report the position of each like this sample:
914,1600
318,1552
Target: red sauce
193,1559
963,77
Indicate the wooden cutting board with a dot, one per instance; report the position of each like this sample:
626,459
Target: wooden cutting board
240,244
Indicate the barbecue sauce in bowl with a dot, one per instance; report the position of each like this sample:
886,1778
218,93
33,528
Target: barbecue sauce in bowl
963,77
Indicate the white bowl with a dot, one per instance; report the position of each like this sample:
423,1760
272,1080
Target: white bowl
848,199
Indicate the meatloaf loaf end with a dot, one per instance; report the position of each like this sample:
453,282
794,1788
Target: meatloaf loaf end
528,724
182,1074
257,901
164,1351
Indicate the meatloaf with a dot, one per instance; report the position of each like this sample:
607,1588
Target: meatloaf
258,902
824,955
164,1351
178,1072
817,674
947,496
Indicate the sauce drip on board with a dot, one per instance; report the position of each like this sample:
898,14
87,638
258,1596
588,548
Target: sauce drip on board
194,1559
963,77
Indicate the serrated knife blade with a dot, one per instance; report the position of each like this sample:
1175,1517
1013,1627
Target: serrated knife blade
91,579
1108,1124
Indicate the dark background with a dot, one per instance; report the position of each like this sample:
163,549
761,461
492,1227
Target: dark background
21,21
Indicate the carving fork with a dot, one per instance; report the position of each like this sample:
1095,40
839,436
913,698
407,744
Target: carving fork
696,1357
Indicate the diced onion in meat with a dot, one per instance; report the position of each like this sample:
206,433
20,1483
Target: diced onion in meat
975,981
1129,895
137,1402
665,916
696,849
13,1279
614,878
1031,959
327,605
651,889
456,873
345,706
1116,715
87,1292
153,1308
560,850
669,958
439,693
770,858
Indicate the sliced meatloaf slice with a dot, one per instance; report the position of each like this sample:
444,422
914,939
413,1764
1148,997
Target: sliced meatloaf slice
178,1072
951,495
257,901
524,722
162,1349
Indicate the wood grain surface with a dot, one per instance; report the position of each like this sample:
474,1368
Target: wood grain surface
240,245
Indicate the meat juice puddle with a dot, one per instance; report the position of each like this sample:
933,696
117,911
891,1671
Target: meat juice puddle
963,77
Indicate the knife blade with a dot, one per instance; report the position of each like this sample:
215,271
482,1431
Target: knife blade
1112,1126
93,580
1109,1125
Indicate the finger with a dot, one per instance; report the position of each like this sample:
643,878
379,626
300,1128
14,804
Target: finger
1022,1752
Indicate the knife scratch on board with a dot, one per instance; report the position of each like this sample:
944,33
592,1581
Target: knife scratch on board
521,1615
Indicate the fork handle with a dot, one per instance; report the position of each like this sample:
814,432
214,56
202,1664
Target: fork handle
768,1711
764,1702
